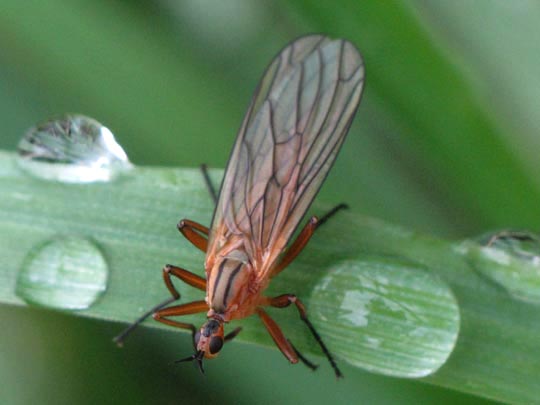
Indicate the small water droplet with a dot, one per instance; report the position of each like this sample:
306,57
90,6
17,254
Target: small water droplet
509,258
73,149
394,317
66,272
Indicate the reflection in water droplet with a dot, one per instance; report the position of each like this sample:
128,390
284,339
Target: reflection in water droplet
74,149
394,317
509,258
63,273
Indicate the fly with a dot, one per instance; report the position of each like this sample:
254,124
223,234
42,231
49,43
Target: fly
292,132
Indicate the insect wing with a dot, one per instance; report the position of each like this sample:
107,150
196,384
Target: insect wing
289,139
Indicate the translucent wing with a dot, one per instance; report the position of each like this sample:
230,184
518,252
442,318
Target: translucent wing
289,139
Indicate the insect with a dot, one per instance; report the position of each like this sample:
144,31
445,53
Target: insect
294,127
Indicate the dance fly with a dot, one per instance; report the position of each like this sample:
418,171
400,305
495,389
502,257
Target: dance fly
292,132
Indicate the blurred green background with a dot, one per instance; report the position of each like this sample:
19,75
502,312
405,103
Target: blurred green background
445,142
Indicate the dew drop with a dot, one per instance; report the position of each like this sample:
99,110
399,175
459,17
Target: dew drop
72,149
393,318
66,272
509,258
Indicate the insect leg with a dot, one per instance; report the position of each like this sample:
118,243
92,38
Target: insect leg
277,336
303,238
195,307
331,213
162,315
184,275
192,231
285,300
209,184
308,363
231,335
121,337
296,247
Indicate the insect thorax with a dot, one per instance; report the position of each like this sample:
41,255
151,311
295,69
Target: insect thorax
229,286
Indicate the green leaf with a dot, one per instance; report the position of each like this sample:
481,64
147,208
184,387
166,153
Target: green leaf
133,222
410,78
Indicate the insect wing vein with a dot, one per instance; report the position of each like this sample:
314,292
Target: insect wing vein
289,139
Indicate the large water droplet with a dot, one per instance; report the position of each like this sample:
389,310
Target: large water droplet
74,149
65,273
394,317
509,258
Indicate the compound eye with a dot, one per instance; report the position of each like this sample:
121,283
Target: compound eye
216,343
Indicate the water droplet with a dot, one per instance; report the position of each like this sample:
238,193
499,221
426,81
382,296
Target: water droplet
509,258
65,273
394,317
73,149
